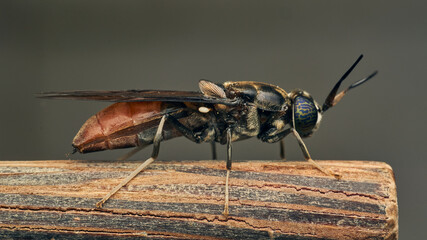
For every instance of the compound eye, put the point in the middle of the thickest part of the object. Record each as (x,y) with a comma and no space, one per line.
(305,115)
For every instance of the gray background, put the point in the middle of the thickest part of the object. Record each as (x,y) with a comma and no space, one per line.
(112,45)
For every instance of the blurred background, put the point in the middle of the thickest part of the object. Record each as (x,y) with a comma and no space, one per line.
(113,45)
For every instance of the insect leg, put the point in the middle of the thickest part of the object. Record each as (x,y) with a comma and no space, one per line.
(215,128)
(188,133)
(308,157)
(155,153)
(131,153)
(201,136)
(225,213)
(213,147)
(282,149)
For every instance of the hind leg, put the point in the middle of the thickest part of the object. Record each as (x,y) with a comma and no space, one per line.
(155,153)
(131,153)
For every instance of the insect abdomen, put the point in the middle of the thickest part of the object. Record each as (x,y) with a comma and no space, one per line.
(117,126)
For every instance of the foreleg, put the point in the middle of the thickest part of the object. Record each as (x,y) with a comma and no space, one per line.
(308,157)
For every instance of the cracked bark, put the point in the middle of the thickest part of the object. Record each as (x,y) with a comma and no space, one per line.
(268,200)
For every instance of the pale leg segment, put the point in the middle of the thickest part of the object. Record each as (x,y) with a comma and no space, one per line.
(131,153)
(308,157)
(225,212)
(156,147)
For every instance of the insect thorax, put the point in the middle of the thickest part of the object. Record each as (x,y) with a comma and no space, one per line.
(265,96)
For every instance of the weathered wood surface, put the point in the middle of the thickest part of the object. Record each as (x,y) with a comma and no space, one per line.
(184,200)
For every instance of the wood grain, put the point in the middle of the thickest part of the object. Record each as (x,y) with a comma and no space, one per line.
(184,200)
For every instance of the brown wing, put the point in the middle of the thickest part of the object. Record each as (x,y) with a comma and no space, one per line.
(138,96)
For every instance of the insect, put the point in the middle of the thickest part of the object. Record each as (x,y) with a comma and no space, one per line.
(222,113)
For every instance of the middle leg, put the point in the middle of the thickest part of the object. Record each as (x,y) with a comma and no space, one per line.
(282,149)
(225,212)
(213,148)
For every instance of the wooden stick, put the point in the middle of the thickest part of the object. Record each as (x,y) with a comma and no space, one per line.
(184,200)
